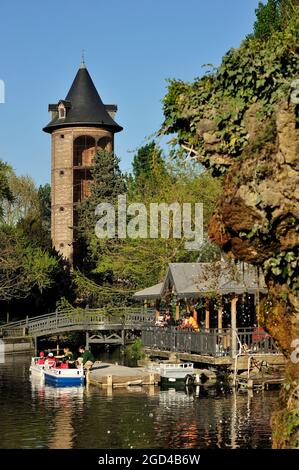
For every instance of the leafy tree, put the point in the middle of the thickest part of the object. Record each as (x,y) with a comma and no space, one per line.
(5,191)
(107,184)
(24,202)
(147,164)
(44,197)
(272,16)
(268,19)
(22,267)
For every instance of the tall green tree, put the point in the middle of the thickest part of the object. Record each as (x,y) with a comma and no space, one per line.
(107,184)
(6,195)
(147,166)
(272,16)
(268,19)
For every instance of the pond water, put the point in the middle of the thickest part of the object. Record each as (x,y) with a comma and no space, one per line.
(34,415)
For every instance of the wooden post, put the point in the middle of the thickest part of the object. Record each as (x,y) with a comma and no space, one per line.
(109,381)
(188,306)
(177,310)
(233,311)
(7,317)
(220,319)
(35,345)
(145,307)
(207,319)
(57,346)
(194,314)
(152,379)
(87,340)
(157,308)
(123,337)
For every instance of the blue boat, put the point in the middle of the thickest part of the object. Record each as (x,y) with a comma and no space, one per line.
(64,377)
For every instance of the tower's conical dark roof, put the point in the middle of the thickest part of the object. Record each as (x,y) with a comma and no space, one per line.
(84,106)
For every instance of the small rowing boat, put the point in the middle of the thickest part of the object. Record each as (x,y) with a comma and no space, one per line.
(56,375)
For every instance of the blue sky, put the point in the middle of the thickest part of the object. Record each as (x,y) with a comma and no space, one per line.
(132,47)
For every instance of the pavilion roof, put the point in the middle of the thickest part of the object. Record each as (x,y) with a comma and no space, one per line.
(199,279)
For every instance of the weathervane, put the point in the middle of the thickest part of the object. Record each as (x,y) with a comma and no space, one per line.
(82,66)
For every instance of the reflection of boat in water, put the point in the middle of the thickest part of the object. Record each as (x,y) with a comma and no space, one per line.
(47,391)
(63,403)
(55,375)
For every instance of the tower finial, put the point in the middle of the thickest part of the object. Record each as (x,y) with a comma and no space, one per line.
(82,65)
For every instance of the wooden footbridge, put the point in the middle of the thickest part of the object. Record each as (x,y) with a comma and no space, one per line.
(99,327)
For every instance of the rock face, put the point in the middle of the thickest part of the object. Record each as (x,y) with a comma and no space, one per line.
(257,221)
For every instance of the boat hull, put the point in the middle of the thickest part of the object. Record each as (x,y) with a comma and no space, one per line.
(64,377)
(64,381)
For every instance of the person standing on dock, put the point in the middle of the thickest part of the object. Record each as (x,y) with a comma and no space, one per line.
(87,358)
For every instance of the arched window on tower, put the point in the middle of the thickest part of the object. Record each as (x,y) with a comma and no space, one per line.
(105,143)
(84,150)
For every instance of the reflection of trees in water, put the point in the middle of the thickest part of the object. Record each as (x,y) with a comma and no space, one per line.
(227,420)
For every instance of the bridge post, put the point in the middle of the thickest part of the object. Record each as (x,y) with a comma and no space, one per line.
(35,345)
(57,345)
(87,340)
(123,337)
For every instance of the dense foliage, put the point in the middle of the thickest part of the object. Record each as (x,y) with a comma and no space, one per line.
(110,270)
(32,275)
(208,115)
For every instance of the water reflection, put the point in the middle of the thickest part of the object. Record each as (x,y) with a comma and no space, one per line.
(35,415)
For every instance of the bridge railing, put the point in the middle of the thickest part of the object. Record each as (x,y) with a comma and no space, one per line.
(87,319)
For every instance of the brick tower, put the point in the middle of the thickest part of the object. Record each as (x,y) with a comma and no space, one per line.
(81,124)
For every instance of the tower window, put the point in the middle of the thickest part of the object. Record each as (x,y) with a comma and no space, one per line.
(61,172)
(61,245)
(62,136)
(61,112)
(61,209)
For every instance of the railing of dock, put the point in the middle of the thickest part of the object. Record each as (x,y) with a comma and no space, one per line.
(256,340)
(87,320)
(212,342)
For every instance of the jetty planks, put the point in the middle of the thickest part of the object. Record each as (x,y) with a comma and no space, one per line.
(115,375)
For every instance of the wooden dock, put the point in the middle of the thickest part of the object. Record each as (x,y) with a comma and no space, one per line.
(259,382)
(228,361)
(114,375)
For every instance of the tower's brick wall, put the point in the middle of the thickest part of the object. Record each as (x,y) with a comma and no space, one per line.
(62,176)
